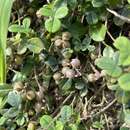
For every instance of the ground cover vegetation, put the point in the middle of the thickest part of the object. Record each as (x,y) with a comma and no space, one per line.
(64,65)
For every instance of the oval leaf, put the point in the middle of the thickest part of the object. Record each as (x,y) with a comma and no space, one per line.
(124,82)
(35,45)
(52,25)
(61,12)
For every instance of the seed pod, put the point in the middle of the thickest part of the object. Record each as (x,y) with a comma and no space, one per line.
(23,95)
(66,36)
(57,76)
(18,86)
(55,38)
(91,78)
(39,96)
(31,112)
(31,126)
(66,44)
(70,73)
(38,107)
(58,43)
(64,70)
(75,63)
(65,62)
(30,95)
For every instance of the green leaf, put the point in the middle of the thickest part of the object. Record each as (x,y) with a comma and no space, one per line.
(67,85)
(52,25)
(18,28)
(124,128)
(59,125)
(123,44)
(91,17)
(2,120)
(46,122)
(4,90)
(26,22)
(73,126)
(108,52)
(46,10)
(97,125)
(79,84)
(109,65)
(14,99)
(128,1)
(35,45)
(65,113)
(98,32)
(61,12)
(127,116)
(97,3)
(124,82)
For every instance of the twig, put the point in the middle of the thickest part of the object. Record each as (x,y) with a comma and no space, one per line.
(66,99)
(118,15)
(103,110)
(112,38)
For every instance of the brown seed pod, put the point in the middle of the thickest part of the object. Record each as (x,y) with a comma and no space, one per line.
(91,77)
(30,95)
(66,44)
(58,43)
(75,63)
(70,73)
(64,69)
(18,86)
(55,38)
(65,62)
(66,36)
(38,107)
(31,126)
(57,76)
(39,95)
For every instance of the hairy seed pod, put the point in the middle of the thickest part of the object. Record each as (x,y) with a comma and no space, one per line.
(70,73)
(65,62)
(66,36)
(66,44)
(91,78)
(18,86)
(57,76)
(75,63)
(30,95)
(58,43)
(64,70)
(31,112)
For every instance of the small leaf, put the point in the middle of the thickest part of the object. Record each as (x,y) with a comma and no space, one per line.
(73,126)
(67,85)
(109,65)
(26,22)
(127,116)
(108,52)
(123,44)
(14,99)
(97,3)
(18,28)
(98,32)
(35,45)
(91,17)
(66,113)
(52,25)
(124,82)
(59,125)
(46,10)
(61,12)
(46,122)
